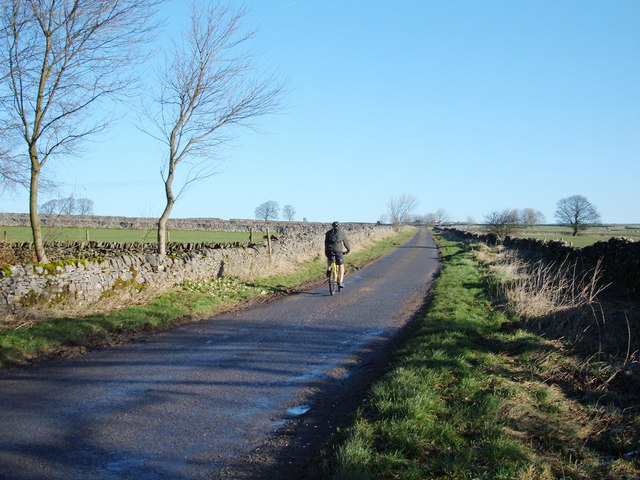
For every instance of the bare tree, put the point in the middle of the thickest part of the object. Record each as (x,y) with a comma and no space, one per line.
(429,219)
(50,207)
(502,223)
(59,60)
(67,206)
(84,206)
(289,212)
(577,212)
(442,216)
(399,208)
(268,211)
(530,217)
(206,87)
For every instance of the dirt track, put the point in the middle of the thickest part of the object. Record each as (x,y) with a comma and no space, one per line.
(246,395)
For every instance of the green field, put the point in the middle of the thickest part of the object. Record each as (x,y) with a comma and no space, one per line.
(122,235)
(557,232)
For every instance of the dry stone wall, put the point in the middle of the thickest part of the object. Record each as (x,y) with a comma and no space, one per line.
(618,258)
(90,273)
(144,223)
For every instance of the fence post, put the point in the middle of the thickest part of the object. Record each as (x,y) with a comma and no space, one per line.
(4,240)
(250,234)
(87,235)
(269,242)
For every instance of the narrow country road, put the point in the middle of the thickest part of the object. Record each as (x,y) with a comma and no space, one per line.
(198,401)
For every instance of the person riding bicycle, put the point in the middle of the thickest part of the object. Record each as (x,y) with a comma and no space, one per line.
(333,241)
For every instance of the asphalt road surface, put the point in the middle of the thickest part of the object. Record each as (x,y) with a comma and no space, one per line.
(197,401)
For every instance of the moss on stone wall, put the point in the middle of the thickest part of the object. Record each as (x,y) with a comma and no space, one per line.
(47,299)
(57,266)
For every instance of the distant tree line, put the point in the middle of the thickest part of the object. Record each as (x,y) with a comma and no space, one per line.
(270,210)
(68,206)
(575,212)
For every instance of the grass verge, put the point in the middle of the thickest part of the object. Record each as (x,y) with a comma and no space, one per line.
(26,341)
(468,396)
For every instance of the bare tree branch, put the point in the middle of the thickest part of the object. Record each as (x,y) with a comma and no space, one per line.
(269,210)
(59,60)
(502,223)
(206,88)
(577,212)
(289,212)
(400,207)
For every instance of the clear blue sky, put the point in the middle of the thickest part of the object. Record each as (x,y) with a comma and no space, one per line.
(470,106)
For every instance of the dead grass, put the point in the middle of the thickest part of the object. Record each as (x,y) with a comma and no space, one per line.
(7,256)
(539,289)
(565,302)
(25,317)
(593,356)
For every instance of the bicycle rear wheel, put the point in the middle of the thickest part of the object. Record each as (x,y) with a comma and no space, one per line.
(333,278)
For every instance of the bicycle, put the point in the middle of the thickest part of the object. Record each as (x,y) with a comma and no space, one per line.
(334,284)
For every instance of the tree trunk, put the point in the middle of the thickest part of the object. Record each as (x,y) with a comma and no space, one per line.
(162,222)
(33,208)
(162,230)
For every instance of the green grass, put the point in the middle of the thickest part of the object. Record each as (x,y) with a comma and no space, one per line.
(459,402)
(25,342)
(123,235)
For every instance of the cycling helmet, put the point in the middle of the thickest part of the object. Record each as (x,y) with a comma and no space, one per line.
(335,224)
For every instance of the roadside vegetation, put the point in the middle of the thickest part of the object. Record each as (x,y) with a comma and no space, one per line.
(26,340)
(484,386)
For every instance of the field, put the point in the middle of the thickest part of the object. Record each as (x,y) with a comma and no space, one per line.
(121,235)
(557,232)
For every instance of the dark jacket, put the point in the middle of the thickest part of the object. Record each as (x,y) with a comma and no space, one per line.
(334,239)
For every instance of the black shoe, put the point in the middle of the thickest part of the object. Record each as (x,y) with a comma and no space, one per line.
(328,273)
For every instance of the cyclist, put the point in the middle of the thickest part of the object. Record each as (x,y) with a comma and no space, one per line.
(333,241)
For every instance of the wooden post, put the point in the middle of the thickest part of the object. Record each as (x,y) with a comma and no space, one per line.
(4,240)
(250,234)
(269,242)
(168,236)
(87,235)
